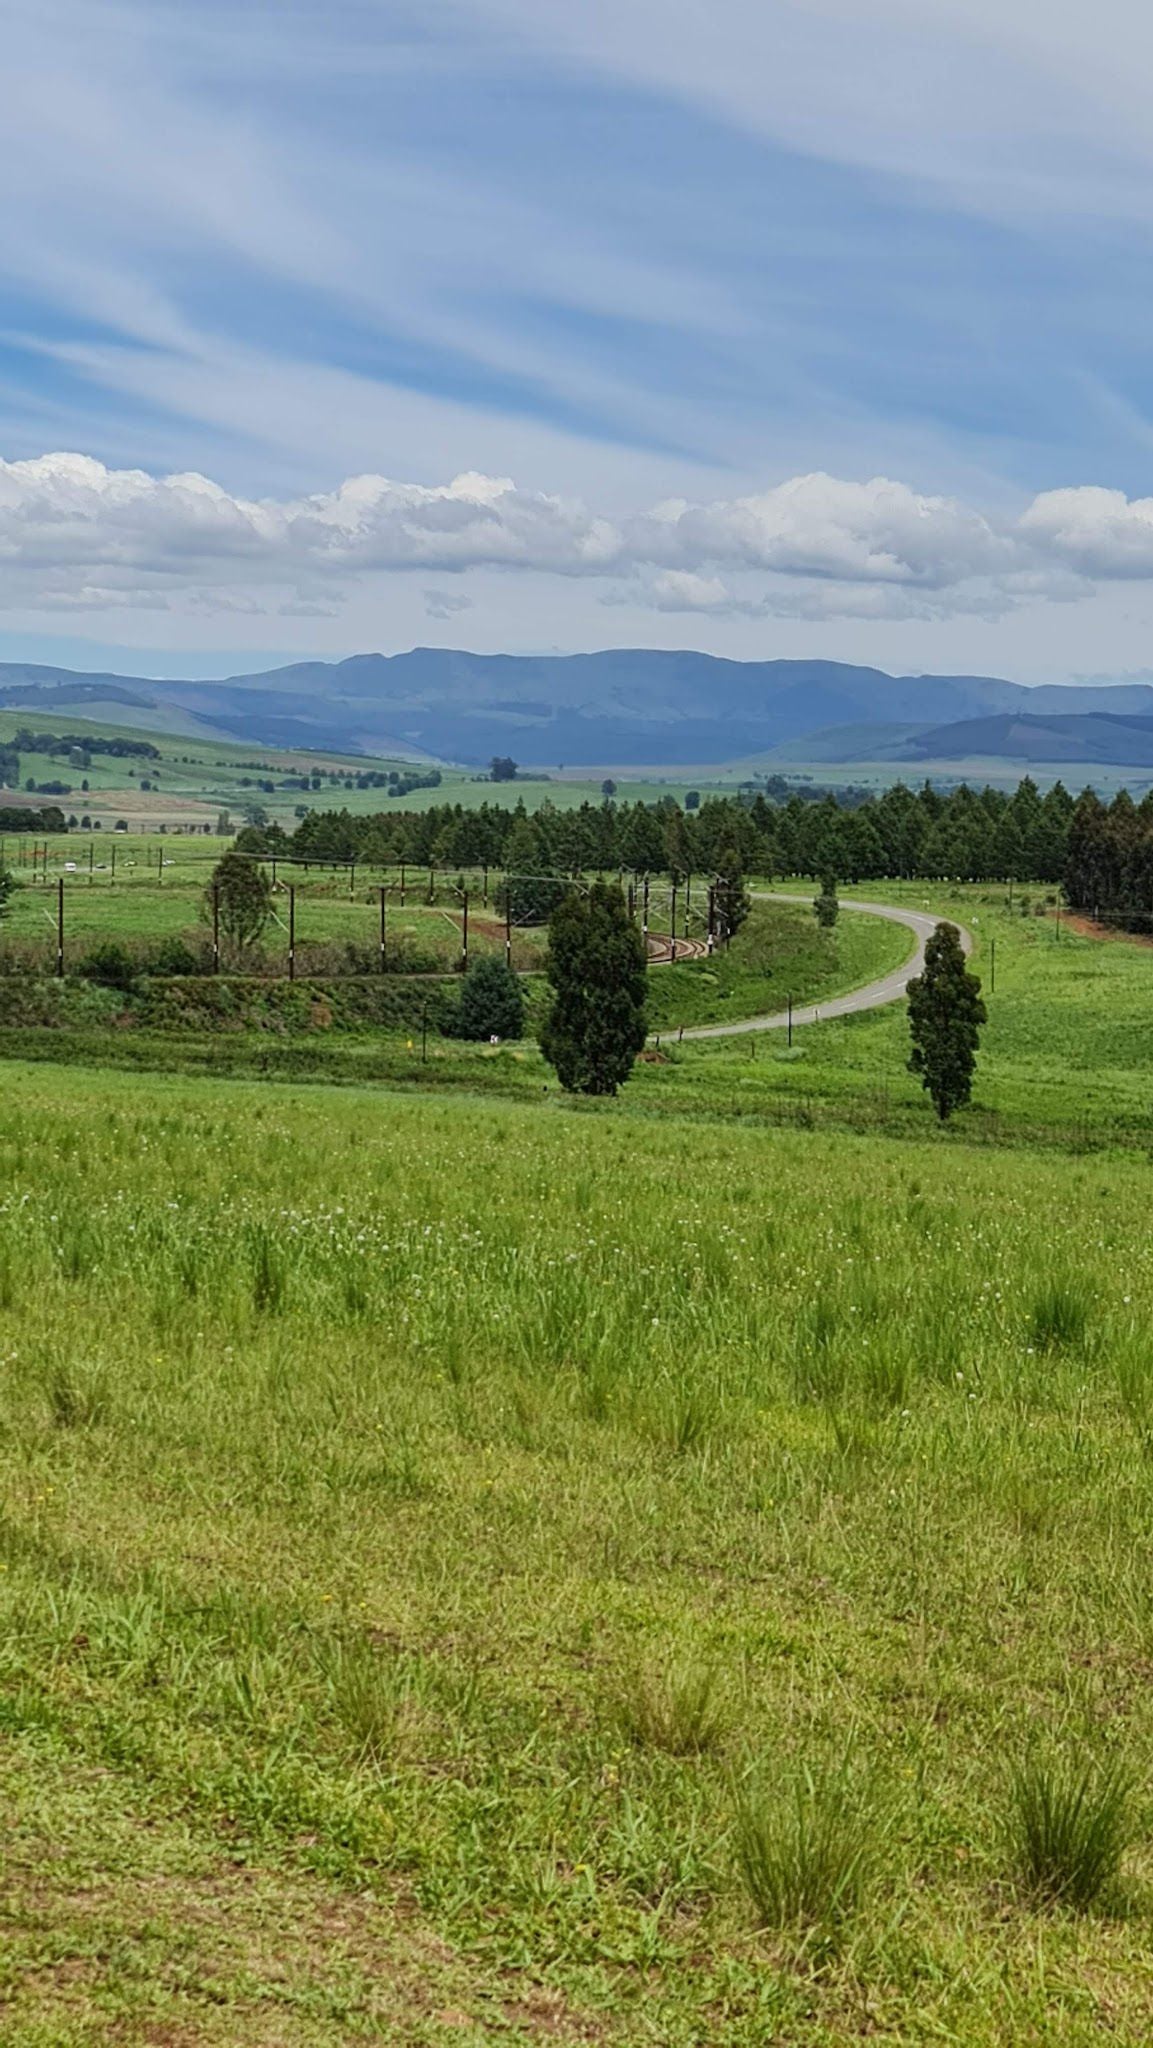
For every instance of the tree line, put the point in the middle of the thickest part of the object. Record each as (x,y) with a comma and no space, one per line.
(1109,867)
(966,835)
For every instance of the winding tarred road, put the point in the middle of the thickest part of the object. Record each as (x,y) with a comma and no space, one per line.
(875,994)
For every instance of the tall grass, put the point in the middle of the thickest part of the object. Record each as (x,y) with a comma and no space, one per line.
(1071,1821)
(807,1852)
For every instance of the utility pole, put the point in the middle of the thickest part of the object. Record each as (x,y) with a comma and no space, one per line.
(790,1020)
(673,923)
(60,928)
(383,933)
(645,912)
(464,938)
(507,922)
(216,927)
(292,931)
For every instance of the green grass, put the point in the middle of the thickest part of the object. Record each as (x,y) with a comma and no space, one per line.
(443,1538)
(779,952)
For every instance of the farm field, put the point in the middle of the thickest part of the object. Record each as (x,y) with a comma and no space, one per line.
(407,1591)
(194,779)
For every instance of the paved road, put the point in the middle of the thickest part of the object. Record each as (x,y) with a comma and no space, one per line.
(889,989)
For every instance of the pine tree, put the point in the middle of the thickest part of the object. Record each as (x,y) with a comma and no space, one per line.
(491,1004)
(596,965)
(243,897)
(730,896)
(945,1016)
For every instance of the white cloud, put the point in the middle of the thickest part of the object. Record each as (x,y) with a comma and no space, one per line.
(1098,533)
(823,526)
(77,536)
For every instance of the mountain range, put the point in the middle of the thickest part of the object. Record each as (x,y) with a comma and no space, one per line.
(623,708)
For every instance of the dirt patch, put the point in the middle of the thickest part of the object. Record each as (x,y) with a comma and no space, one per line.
(1089,928)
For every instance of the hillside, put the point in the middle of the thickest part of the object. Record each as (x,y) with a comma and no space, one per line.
(619,708)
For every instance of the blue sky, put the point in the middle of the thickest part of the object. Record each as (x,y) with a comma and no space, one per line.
(773,329)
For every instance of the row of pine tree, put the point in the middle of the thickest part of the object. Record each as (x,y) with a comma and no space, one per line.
(966,834)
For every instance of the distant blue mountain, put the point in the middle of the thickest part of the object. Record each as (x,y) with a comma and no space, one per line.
(625,708)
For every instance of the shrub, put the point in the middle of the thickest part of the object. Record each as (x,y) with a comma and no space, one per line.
(109,963)
(172,956)
(491,1004)
(1069,1826)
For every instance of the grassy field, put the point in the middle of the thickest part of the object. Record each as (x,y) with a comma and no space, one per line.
(412,1600)
(480,1567)
(195,778)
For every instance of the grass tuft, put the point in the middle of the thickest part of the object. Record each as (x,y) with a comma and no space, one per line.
(1070,1823)
(78,1395)
(675,1709)
(807,1854)
(1060,1317)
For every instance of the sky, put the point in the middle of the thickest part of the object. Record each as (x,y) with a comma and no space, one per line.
(770,327)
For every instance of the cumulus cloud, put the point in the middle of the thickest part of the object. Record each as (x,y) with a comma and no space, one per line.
(77,536)
(823,526)
(1098,533)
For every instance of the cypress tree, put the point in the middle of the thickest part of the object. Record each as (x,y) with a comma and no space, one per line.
(945,1016)
(826,906)
(597,968)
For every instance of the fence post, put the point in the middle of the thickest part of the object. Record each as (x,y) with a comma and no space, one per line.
(60,928)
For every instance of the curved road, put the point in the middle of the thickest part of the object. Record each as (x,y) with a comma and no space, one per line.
(875,994)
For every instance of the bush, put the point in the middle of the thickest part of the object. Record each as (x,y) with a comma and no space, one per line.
(109,963)
(491,1003)
(172,956)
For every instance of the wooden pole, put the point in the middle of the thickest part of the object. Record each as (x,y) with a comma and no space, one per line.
(464,938)
(216,927)
(383,933)
(60,927)
(292,931)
